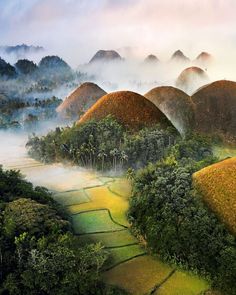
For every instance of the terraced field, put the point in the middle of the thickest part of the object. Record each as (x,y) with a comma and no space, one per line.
(98,206)
(99,215)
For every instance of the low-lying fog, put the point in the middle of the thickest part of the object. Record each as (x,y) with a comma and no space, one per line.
(56,177)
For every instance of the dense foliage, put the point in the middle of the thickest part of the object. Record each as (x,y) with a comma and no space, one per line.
(25,66)
(103,144)
(38,253)
(7,71)
(170,215)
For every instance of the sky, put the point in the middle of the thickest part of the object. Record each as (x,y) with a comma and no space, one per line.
(76,29)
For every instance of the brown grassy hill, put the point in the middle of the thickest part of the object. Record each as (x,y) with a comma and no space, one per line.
(217,184)
(175,104)
(204,57)
(215,109)
(80,100)
(191,78)
(105,55)
(179,56)
(151,58)
(129,108)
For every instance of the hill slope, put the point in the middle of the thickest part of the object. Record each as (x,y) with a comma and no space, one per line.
(179,56)
(80,100)
(129,108)
(191,79)
(217,184)
(215,109)
(175,104)
(105,55)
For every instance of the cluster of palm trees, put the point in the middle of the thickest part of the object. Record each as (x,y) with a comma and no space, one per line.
(88,155)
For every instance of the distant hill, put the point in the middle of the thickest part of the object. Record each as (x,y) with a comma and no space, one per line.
(52,62)
(175,104)
(204,58)
(151,58)
(191,79)
(129,108)
(80,100)
(54,68)
(179,56)
(21,51)
(217,185)
(105,56)
(7,71)
(25,66)
(215,109)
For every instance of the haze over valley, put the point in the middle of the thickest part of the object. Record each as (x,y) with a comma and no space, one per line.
(117,147)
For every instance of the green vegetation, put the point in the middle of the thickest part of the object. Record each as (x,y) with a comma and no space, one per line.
(148,270)
(13,109)
(94,221)
(170,215)
(103,145)
(38,253)
(166,212)
(181,283)
(121,254)
(71,198)
(109,239)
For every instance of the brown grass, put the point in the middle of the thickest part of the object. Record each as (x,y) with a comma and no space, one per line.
(129,108)
(215,109)
(81,99)
(175,104)
(217,184)
(190,75)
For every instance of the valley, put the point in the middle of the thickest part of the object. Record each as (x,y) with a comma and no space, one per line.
(97,205)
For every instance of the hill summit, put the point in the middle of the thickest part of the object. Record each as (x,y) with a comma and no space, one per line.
(179,56)
(215,109)
(80,100)
(105,55)
(175,104)
(129,108)
(151,58)
(204,57)
(191,79)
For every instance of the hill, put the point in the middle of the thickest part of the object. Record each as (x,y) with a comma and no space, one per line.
(25,66)
(151,58)
(53,61)
(175,104)
(204,58)
(80,100)
(21,49)
(129,108)
(54,69)
(191,78)
(105,56)
(217,184)
(7,71)
(179,56)
(215,109)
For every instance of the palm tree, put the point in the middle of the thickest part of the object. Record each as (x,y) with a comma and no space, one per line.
(114,153)
(123,157)
(102,155)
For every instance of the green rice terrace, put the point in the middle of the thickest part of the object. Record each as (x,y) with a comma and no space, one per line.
(99,215)
(97,206)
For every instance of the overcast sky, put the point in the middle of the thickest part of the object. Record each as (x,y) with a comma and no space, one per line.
(75,29)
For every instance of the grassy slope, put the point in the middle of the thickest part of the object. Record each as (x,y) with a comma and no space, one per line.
(129,108)
(217,184)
